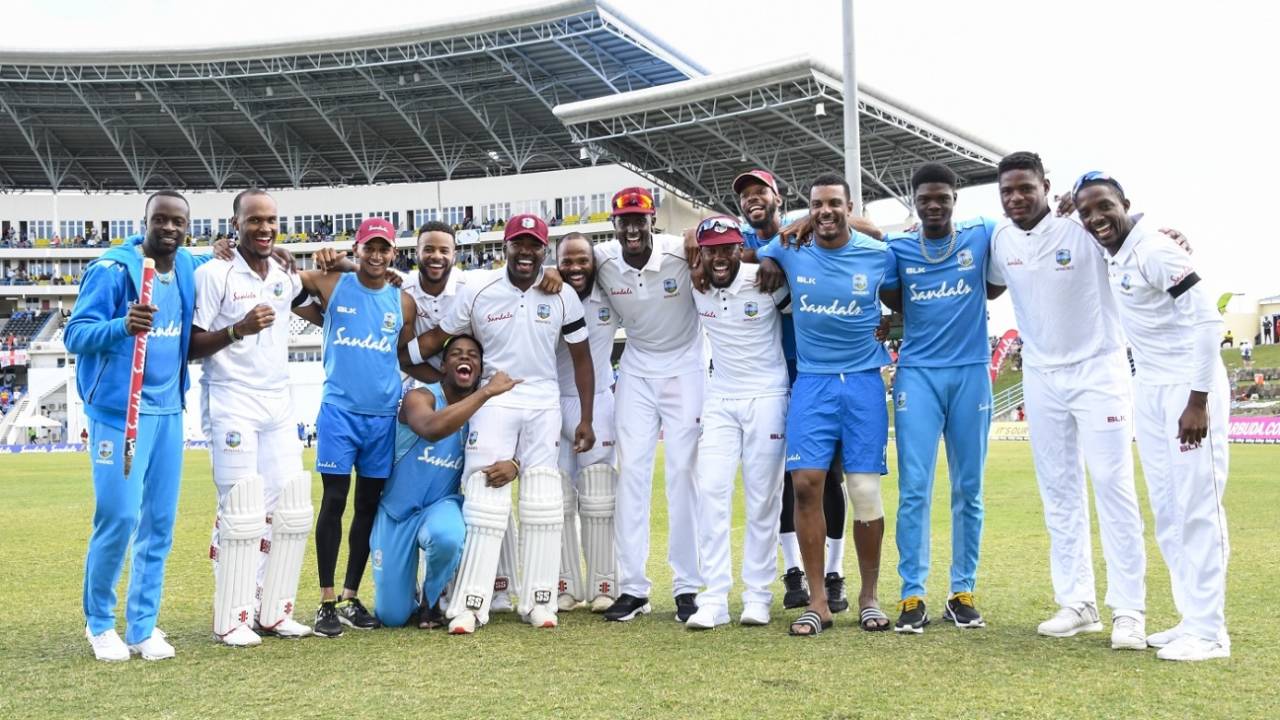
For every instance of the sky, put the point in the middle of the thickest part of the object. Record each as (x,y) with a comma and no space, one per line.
(1175,99)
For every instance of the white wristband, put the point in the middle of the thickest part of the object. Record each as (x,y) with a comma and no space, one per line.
(415,351)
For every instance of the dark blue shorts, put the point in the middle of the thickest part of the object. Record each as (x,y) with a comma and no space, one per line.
(346,439)
(848,409)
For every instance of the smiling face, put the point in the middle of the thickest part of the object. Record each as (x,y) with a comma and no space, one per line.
(1024,195)
(524,257)
(634,231)
(436,251)
(167,221)
(1105,214)
(829,212)
(758,203)
(462,365)
(722,262)
(376,255)
(257,225)
(935,202)
(577,264)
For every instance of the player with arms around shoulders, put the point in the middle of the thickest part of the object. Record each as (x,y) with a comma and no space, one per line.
(1182,402)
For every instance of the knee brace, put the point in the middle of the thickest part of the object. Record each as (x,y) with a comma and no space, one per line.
(864,494)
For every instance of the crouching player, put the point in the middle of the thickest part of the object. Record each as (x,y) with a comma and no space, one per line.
(421,506)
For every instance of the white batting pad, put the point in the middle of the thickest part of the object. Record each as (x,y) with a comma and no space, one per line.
(485,511)
(505,578)
(290,526)
(541,518)
(571,580)
(598,491)
(241,524)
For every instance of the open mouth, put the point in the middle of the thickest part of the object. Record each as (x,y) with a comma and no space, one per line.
(465,372)
(826,224)
(756,208)
(1101,231)
(524,265)
(576,278)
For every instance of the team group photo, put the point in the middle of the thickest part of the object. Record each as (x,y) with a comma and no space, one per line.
(617,378)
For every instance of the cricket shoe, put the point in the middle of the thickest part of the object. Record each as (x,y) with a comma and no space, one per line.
(912,616)
(1164,637)
(627,607)
(1128,632)
(754,613)
(686,606)
(107,645)
(960,610)
(837,601)
(241,636)
(287,628)
(797,589)
(1190,648)
(1071,620)
(601,603)
(541,617)
(566,602)
(156,647)
(464,624)
(352,613)
(708,617)
(327,622)
(501,603)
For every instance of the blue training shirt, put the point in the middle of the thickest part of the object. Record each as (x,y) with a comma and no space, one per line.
(361,327)
(425,472)
(752,241)
(944,303)
(835,302)
(161,392)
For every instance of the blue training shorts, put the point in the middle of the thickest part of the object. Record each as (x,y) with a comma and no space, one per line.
(848,408)
(346,439)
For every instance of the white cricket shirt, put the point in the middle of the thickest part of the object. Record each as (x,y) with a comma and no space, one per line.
(431,309)
(744,326)
(655,305)
(226,290)
(1162,304)
(519,331)
(1058,279)
(602,326)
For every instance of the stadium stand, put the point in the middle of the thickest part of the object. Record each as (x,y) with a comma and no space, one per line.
(21,327)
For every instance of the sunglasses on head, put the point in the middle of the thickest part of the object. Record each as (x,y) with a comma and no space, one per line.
(1096,176)
(718,226)
(633,200)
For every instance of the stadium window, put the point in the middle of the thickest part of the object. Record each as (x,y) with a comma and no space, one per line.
(657,196)
(201,226)
(39,229)
(284,225)
(68,229)
(224,226)
(599,203)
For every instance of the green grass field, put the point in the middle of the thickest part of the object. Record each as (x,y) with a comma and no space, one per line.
(648,668)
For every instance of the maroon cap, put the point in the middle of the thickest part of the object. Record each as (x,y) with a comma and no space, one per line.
(632,200)
(376,228)
(719,230)
(761,176)
(530,225)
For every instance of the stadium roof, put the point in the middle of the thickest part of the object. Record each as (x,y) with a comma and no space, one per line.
(787,116)
(464,98)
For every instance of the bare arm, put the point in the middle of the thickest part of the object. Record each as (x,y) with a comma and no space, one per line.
(418,409)
(429,343)
(584,378)
(994,291)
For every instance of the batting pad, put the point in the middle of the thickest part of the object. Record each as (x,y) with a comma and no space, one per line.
(570,550)
(599,487)
(541,519)
(485,512)
(290,526)
(241,524)
(505,578)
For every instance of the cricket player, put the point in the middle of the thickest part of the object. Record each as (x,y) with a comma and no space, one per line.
(761,206)
(942,389)
(241,329)
(590,479)
(1077,388)
(838,396)
(139,508)
(660,379)
(519,326)
(744,416)
(1182,407)
(366,320)
(421,506)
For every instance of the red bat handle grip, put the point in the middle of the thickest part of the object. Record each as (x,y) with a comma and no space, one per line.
(136,370)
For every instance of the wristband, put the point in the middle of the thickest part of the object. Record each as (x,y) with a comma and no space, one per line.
(231,333)
(517,464)
(415,351)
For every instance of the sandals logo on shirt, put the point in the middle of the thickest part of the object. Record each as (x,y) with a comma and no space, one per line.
(964,258)
(670,286)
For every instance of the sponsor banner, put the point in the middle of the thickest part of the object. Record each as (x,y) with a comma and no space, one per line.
(1002,351)
(1255,429)
(75,447)
(1009,431)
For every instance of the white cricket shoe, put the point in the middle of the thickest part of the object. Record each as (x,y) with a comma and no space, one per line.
(708,617)
(1164,637)
(241,636)
(290,628)
(501,603)
(155,647)
(566,602)
(601,603)
(1128,633)
(1190,648)
(541,617)
(1071,620)
(754,613)
(107,645)
(464,624)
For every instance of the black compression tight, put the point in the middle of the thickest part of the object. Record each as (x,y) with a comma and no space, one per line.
(833,503)
(329,527)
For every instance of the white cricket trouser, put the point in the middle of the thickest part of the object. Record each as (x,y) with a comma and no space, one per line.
(750,430)
(1079,415)
(645,405)
(530,436)
(1185,485)
(251,433)
(602,422)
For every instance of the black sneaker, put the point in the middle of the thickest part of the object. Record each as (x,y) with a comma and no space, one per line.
(797,586)
(836,600)
(352,614)
(686,606)
(627,607)
(960,610)
(327,623)
(913,616)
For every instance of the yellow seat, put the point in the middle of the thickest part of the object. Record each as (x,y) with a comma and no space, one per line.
(42,242)
(117,241)
(571,219)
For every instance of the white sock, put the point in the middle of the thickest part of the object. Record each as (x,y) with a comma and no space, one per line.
(790,550)
(835,556)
